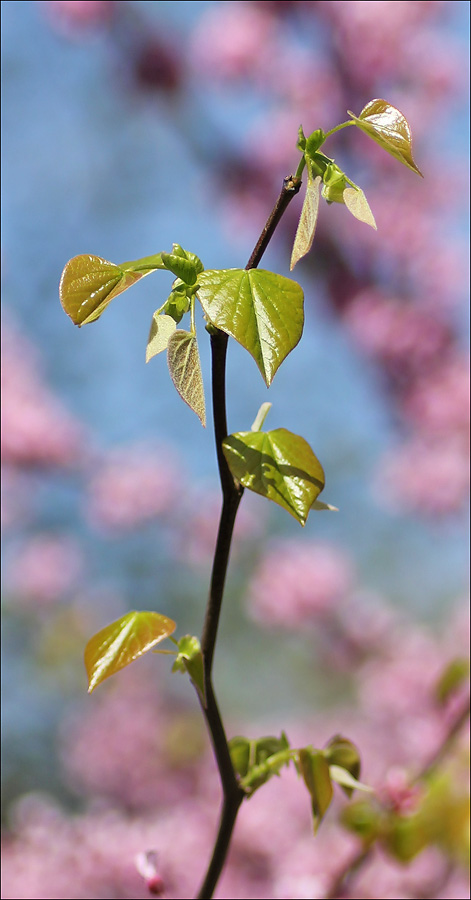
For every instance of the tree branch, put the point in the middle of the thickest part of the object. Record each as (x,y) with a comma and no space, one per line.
(232,492)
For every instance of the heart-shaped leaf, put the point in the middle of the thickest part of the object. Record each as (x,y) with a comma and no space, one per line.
(89,283)
(261,310)
(185,369)
(278,465)
(117,645)
(340,752)
(161,330)
(315,771)
(307,220)
(358,205)
(389,128)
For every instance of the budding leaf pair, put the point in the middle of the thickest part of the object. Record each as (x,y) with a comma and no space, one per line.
(384,124)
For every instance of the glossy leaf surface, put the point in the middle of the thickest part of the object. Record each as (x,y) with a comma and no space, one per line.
(307,220)
(161,330)
(88,283)
(261,310)
(389,128)
(185,370)
(278,465)
(315,771)
(117,645)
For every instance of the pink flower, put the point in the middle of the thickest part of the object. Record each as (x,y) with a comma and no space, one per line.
(133,485)
(44,570)
(296,583)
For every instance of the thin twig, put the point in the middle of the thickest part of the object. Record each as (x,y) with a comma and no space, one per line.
(232,492)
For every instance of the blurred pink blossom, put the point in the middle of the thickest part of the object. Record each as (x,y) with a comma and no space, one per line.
(44,570)
(429,477)
(36,429)
(230,40)
(439,403)
(298,583)
(397,793)
(72,17)
(405,339)
(133,485)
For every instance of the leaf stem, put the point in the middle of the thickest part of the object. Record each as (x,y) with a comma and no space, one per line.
(233,793)
(338,128)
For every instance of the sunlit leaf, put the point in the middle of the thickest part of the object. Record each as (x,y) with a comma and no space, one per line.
(117,645)
(307,220)
(315,771)
(185,370)
(358,205)
(319,505)
(161,330)
(342,777)
(278,465)
(190,659)
(389,128)
(261,310)
(89,283)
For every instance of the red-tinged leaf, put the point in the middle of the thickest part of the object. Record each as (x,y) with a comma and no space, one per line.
(123,641)
(389,128)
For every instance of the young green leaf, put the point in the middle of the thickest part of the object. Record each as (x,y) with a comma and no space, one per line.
(342,752)
(184,366)
(358,205)
(161,330)
(178,301)
(185,254)
(121,642)
(315,771)
(190,659)
(349,784)
(239,748)
(319,505)
(278,465)
(180,266)
(389,128)
(261,310)
(307,220)
(88,283)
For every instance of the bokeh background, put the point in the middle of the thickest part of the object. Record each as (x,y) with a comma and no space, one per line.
(127,126)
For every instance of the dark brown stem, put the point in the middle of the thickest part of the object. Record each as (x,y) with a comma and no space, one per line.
(231,496)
